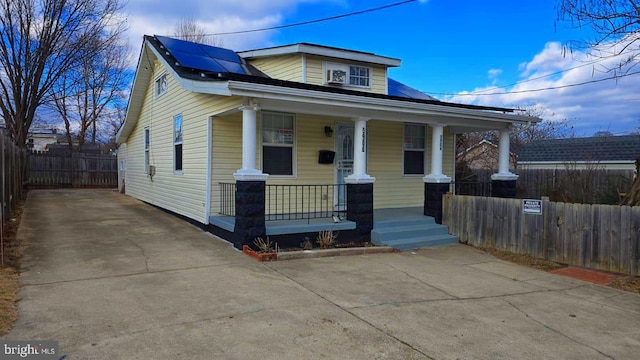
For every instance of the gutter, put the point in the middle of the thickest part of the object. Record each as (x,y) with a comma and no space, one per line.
(240,88)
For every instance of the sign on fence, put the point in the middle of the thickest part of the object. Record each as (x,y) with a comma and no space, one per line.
(532,206)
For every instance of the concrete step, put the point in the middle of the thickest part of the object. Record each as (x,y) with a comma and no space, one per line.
(401,232)
(423,220)
(422,242)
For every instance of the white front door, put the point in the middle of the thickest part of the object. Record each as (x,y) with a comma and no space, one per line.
(344,162)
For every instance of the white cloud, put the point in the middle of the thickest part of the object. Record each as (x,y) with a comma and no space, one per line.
(593,106)
(147,17)
(494,73)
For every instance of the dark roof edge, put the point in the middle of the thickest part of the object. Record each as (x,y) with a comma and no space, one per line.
(336,90)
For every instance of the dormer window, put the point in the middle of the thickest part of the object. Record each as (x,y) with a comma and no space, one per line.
(359,76)
(347,75)
(161,85)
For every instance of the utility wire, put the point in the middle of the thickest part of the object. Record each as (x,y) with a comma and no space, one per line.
(310,21)
(545,76)
(535,78)
(540,89)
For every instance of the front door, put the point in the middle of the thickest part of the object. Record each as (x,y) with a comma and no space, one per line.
(344,162)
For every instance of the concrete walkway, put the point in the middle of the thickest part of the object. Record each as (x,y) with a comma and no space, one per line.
(112,278)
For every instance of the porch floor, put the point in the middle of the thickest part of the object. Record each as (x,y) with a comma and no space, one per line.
(381,218)
(283,227)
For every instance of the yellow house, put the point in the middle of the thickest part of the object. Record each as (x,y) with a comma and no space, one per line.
(292,140)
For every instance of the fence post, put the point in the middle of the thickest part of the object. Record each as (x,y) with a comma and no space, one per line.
(73,165)
(545,229)
(4,181)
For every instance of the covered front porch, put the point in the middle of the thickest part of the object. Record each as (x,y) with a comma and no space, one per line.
(259,203)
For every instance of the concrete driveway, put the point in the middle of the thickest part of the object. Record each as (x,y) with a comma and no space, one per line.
(112,278)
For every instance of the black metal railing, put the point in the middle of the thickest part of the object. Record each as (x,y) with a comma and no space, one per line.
(473,188)
(290,202)
(296,202)
(227,199)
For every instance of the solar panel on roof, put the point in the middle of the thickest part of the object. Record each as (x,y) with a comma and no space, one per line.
(396,88)
(203,57)
(222,54)
(231,67)
(203,63)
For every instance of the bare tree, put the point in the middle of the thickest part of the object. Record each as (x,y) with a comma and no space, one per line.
(189,29)
(90,93)
(616,24)
(40,40)
(520,135)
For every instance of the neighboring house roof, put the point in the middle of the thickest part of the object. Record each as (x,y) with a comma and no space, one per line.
(212,70)
(479,144)
(322,50)
(604,148)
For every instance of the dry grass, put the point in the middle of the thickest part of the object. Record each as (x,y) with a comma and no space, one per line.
(628,283)
(326,239)
(524,259)
(264,246)
(9,277)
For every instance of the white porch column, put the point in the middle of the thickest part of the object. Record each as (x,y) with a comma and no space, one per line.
(249,171)
(360,175)
(436,175)
(503,159)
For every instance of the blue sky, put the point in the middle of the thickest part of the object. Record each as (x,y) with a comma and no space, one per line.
(448,49)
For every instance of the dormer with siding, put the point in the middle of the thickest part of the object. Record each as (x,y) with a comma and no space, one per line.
(323,65)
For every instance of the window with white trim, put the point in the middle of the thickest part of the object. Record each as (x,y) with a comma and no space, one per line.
(147,146)
(278,139)
(161,85)
(177,143)
(359,76)
(413,149)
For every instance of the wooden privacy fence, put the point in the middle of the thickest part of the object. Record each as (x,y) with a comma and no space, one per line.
(603,237)
(595,185)
(74,170)
(12,166)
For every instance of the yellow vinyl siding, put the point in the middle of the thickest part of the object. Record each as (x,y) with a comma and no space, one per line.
(183,193)
(309,139)
(384,161)
(285,67)
(315,74)
(448,150)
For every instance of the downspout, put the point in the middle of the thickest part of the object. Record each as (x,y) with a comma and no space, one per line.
(526,127)
(207,200)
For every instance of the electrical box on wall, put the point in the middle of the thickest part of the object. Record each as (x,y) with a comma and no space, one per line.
(326,156)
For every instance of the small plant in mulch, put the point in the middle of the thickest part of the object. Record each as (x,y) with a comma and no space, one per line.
(306,244)
(264,246)
(326,239)
(265,252)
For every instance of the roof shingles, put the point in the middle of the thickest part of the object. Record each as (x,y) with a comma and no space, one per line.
(606,148)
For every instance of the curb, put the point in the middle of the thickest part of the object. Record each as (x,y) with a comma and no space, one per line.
(309,254)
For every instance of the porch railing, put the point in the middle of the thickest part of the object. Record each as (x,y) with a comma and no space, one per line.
(473,188)
(227,199)
(296,202)
(291,202)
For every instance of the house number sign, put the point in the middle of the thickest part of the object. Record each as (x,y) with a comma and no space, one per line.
(364,138)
